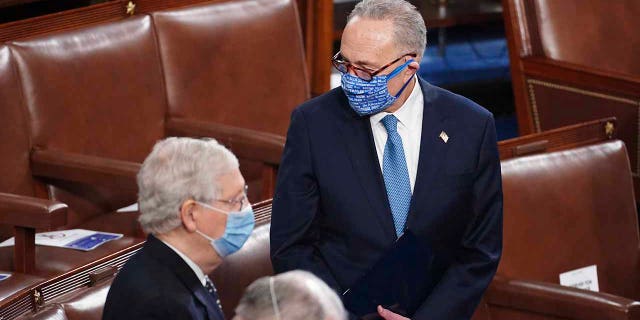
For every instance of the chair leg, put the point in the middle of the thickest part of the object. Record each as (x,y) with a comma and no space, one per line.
(24,254)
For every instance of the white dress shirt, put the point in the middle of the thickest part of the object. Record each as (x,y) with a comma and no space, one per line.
(201,276)
(409,127)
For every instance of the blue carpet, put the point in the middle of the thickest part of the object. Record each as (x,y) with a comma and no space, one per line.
(471,55)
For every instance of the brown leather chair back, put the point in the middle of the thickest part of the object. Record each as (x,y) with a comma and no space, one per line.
(14,145)
(14,137)
(96,91)
(571,209)
(603,34)
(238,63)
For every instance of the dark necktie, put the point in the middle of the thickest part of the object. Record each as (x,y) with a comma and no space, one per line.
(213,292)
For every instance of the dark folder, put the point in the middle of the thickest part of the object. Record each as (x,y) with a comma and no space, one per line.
(400,281)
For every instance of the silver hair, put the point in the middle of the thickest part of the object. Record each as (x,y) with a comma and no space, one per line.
(299,296)
(410,31)
(179,169)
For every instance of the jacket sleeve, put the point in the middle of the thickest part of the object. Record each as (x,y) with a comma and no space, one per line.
(459,291)
(294,231)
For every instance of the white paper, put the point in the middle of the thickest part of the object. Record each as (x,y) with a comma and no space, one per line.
(129,208)
(67,238)
(584,278)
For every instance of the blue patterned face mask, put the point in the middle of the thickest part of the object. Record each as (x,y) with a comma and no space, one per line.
(238,229)
(371,97)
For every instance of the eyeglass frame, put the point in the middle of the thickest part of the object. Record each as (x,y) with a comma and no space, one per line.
(242,201)
(231,202)
(372,73)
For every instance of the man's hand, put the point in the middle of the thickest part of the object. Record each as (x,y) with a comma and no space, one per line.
(388,315)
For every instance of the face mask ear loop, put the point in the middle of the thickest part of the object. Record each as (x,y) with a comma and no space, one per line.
(274,301)
(396,72)
(403,87)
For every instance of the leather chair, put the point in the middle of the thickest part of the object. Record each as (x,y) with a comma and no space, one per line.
(20,212)
(86,141)
(238,68)
(96,106)
(23,208)
(566,210)
(572,62)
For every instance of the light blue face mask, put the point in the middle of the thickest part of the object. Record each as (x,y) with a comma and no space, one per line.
(236,232)
(371,97)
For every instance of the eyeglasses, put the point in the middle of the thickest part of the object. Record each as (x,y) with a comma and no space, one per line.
(236,204)
(365,74)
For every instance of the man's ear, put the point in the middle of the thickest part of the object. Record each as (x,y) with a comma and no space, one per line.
(411,69)
(187,215)
(414,66)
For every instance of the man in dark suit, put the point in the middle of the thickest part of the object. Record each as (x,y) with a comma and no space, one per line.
(384,153)
(194,207)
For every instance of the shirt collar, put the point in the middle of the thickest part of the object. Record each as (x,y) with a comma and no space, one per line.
(201,276)
(406,113)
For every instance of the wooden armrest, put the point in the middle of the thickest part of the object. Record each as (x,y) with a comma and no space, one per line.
(573,74)
(26,214)
(245,143)
(31,212)
(84,169)
(559,301)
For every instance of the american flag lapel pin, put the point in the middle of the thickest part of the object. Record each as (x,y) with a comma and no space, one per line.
(444,136)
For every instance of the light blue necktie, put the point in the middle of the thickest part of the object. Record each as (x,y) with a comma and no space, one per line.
(396,175)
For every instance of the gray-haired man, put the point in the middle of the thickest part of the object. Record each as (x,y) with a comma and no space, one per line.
(385,153)
(193,205)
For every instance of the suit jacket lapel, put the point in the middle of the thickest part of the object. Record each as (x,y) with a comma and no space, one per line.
(432,150)
(168,257)
(358,139)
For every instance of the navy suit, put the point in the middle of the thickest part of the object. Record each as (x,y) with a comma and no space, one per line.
(331,214)
(157,284)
